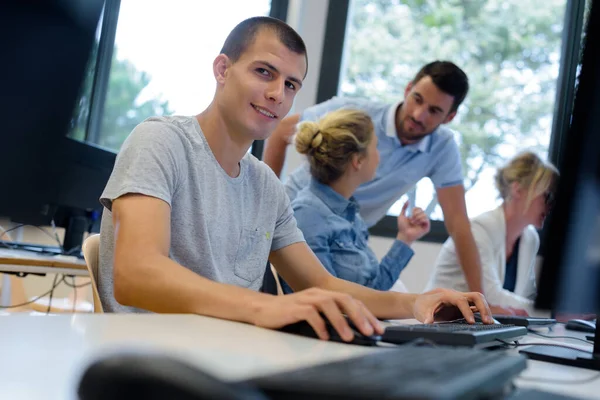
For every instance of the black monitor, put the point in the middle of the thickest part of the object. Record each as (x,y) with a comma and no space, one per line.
(570,279)
(45,47)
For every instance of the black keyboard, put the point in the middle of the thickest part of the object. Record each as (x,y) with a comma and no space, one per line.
(524,321)
(454,334)
(405,372)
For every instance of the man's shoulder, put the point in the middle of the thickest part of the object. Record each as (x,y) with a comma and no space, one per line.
(444,134)
(165,130)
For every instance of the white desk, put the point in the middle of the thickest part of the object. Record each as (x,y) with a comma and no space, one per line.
(43,357)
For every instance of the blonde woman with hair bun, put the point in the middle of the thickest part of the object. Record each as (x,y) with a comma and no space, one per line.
(341,150)
(506,236)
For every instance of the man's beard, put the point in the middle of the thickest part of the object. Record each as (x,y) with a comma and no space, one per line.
(414,137)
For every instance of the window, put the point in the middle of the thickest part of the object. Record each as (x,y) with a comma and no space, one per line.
(510,49)
(160,63)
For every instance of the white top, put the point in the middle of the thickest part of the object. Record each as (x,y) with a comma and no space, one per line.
(44,357)
(489,231)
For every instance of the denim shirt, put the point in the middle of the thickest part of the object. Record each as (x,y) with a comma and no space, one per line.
(336,233)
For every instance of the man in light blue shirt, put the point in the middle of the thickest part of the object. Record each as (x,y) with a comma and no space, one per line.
(413,144)
(435,156)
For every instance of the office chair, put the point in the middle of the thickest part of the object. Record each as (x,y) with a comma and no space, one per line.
(150,377)
(91,247)
(271,282)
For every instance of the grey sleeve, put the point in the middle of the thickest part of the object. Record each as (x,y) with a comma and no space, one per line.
(148,164)
(286,229)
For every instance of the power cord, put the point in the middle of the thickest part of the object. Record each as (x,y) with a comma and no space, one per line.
(74,293)
(558,337)
(561,382)
(53,237)
(75,286)
(54,285)
(517,344)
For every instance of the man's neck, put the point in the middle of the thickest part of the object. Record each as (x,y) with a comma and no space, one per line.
(228,148)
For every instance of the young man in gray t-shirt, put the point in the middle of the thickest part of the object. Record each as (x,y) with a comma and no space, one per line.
(190,218)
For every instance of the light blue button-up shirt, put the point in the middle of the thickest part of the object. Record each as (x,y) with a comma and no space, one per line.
(401,166)
(336,233)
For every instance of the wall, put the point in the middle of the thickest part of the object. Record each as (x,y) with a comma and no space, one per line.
(416,274)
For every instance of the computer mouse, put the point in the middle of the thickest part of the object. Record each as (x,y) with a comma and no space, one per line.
(581,325)
(303,328)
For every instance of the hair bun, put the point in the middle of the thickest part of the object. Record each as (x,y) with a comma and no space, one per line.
(308,138)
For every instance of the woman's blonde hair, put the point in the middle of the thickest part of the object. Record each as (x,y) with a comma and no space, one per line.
(330,143)
(530,172)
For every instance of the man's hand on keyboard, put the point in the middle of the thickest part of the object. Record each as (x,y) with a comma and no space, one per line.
(308,304)
(447,305)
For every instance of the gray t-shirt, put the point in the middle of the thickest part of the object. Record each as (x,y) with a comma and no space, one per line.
(222,228)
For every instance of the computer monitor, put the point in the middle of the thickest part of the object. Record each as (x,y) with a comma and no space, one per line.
(570,278)
(45,46)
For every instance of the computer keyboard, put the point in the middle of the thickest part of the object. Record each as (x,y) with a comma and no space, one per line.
(405,372)
(525,321)
(454,334)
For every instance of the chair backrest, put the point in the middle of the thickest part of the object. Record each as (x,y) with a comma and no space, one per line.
(91,247)
(276,277)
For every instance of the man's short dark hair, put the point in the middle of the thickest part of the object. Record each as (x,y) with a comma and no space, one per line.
(448,78)
(243,35)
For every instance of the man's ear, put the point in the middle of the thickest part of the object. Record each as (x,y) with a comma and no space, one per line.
(449,117)
(220,67)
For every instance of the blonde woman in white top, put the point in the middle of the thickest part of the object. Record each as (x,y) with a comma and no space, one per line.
(506,237)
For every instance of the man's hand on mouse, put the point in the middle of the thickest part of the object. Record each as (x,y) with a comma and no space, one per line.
(278,311)
(447,305)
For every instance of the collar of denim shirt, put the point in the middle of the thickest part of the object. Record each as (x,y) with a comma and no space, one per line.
(346,208)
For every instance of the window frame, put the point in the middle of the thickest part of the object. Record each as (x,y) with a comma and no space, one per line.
(106,44)
(329,79)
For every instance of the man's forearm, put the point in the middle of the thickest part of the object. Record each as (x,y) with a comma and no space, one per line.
(161,285)
(468,256)
(384,305)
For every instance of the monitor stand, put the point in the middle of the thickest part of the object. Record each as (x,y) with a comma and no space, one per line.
(76,228)
(563,356)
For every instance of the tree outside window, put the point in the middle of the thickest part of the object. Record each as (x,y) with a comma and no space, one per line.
(510,49)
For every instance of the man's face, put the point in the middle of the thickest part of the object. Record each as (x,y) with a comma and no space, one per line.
(425,107)
(258,90)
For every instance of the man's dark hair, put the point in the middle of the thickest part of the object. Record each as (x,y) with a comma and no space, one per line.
(243,35)
(448,78)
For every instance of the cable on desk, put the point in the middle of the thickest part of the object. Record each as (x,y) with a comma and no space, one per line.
(517,344)
(559,337)
(73,285)
(54,285)
(53,237)
(561,382)
(34,300)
